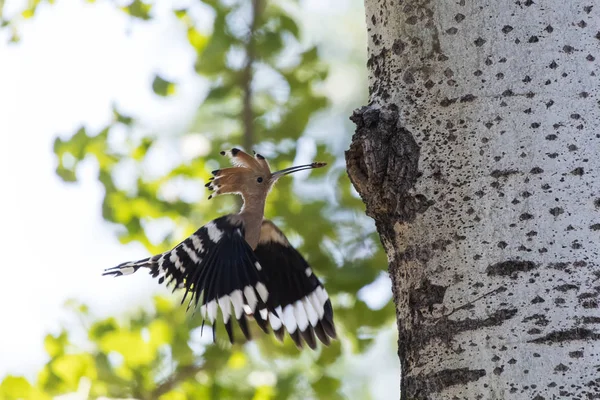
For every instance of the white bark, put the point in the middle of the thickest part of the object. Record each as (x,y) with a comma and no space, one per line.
(479,159)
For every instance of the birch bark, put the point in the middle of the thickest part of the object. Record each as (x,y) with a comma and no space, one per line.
(478,156)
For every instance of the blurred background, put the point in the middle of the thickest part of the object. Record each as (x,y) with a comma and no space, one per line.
(112,115)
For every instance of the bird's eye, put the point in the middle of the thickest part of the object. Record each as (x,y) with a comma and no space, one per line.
(259,179)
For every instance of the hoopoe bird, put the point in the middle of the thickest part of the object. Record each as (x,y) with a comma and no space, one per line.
(244,265)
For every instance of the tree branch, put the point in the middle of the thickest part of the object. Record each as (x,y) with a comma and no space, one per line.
(182,374)
(247,77)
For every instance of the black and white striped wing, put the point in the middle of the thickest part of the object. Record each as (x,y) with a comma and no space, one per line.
(300,301)
(217,267)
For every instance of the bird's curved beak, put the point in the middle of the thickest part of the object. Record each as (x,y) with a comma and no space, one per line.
(279,174)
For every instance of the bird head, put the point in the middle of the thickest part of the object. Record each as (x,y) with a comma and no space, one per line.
(251,177)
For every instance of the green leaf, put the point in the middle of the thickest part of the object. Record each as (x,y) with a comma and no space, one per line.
(130,345)
(72,367)
(327,387)
(138,9)
(122,118)
(55,345)
(162,87)
(196,39)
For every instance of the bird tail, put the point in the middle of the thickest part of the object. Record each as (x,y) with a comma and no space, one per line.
(129,267)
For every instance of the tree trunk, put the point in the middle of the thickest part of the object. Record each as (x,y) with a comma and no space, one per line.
(477,158)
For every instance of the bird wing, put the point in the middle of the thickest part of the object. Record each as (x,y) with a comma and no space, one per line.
(217,267)
(299,300)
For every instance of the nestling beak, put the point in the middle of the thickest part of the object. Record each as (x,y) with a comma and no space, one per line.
(279,174)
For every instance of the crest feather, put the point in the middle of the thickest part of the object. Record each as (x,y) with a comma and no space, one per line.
(239,158)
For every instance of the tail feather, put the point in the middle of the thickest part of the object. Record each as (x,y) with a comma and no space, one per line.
(130,267)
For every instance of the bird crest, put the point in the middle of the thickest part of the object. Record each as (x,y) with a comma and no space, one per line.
(250,176)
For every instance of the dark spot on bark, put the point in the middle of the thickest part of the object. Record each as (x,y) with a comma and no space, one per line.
(538,397)
(479,42)
(539,319)
(412,20)
(553,65)
(589,304)
(498,370)
(537,300)
(561,368)
(575,116)
(506,29)
(447,102)
(582,24)
(556,211)
(503,173)
(536,170)
(427,295)
(560,266)
(577,171)
(429,84)
(595,227)
(452,31)
(507,93)
(534,331)
(597,203)
(502,244)
(510,268)
(535,125)
(398,46)
(459,17)
(576,354)
(590,320)
(597,35)
(467,98)
(549,29)
(572,147)
(525,217)
(567,335)
(526,194)
(588,9)
(545,186)
(551,137)
(590,57)
(587,295)
(533,39)
(438,381)
(568,49)
(565,287)
(408,77)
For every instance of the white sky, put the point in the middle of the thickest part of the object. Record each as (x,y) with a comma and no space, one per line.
(67,70)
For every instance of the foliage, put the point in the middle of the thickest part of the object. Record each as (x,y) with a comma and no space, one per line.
(157,354)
